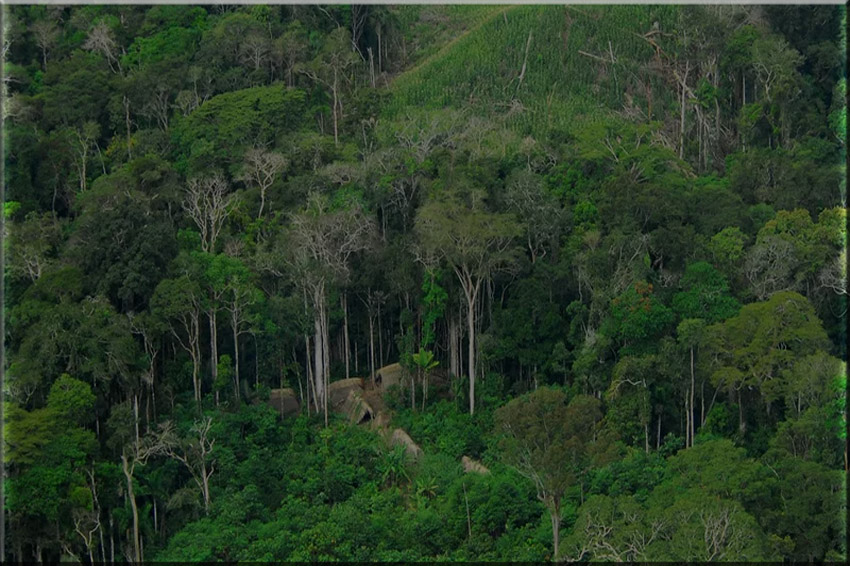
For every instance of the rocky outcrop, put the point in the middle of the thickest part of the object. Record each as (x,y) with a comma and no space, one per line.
(471,466)
(389,375)
(284,401)
(401,438)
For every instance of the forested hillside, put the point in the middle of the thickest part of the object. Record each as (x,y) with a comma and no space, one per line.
(604,245)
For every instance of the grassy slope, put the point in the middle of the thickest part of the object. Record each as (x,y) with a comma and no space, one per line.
(482,66)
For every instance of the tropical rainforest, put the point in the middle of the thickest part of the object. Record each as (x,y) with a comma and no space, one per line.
(600,248)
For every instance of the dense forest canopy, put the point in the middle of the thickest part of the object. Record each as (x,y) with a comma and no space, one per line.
(605,247)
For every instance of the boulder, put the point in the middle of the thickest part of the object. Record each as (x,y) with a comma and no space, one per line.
(471,466)
(389,375)
(338,391)
(356,408)
(285,401)
(401,438)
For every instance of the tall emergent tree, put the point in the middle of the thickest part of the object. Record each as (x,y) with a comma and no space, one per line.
(475,243)
(549,442)
(323,238)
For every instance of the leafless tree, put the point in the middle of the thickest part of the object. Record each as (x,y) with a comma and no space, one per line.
(768,267)
(209,205)
(260,169)
(290,50)
(322,241)
(46,33)
(330,70)
(84,141)
(134,454)
(255,49)
(102,40)
(538,211)
(158,107)
(195,453)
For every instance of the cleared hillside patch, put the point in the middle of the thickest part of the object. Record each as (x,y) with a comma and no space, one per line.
(542,67)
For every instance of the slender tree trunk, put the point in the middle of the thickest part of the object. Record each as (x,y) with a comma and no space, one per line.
(206,487)
(658,433)
(234,324)
(132,497)
(347,346)
(372,348)
(335,116)
(692,431)
(311,380)
(127,127)
(555,515)
(381,361)
(136,416)
(326,357)
(470,321)
(213,345)
(318,371)
(453,365)
(741,424)
(682,112)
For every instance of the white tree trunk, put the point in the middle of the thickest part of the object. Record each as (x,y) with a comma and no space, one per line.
(213,346)
(470,320)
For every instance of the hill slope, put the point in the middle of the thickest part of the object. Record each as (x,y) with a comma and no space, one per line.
(542,65)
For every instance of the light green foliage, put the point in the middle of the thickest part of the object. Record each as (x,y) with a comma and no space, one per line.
(219,131)
(548,99)
(727,247)
(71,399)
(761,345)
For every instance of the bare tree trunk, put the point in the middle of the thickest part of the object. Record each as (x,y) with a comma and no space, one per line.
(136,416)
(347,346)
(380,340)
(234,323)
(372,348)
(213,344)
(326,357)
(691,410)
(335,116)
(127,126)
(318,372)
(742,426)
(206,482)
(380,62)
(371,67)
(555,515)
(132,497)
(684,83)
(454,368)
(658,433)
(470,321)
(311,382)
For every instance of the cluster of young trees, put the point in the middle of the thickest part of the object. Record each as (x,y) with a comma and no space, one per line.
(207,203)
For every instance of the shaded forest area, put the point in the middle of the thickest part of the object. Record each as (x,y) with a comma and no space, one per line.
(607,245)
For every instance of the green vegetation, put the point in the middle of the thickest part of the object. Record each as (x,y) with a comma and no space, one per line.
(425,283)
